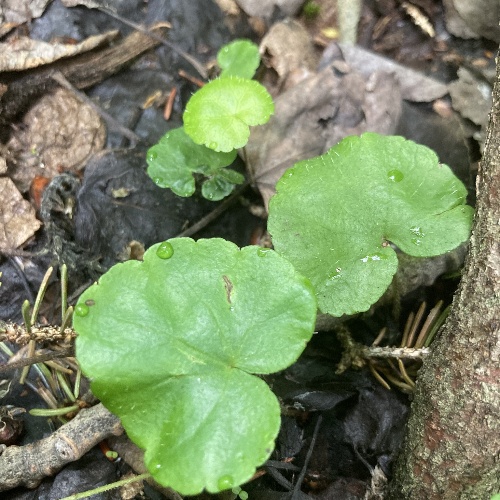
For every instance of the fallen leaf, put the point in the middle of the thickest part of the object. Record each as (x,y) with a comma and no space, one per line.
(415,86)
(17,216)
(471,97)
(24,53)
(16,12)
(60,133)
(265,8)
(468,19)
(286,58)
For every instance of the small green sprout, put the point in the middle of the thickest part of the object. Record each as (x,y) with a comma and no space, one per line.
(216,123)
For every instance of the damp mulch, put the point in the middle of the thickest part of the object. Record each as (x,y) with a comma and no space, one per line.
(78,192)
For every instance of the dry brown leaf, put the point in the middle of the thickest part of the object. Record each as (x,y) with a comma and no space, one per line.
(468,19)
(91,4)
(288,59)
(21,11)
(316,114)
(61,133)
(24,53)
(415,86)
(17,217)
(265,8)
(471,97)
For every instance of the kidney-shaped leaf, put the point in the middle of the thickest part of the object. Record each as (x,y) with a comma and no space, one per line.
(333,216)
(174,159)
(239,58)
(220,113)
(171,345)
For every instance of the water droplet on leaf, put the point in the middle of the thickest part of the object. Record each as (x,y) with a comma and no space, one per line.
(417,231)
(371,257)
(82,310)
(416,241)
(395,175)
(213,145)
(165,250)
(262,252)
(152,156)
(158,181)
(225,482)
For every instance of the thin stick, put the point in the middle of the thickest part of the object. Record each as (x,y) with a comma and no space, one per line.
(108,487)
(197,226)
(189,58)
(35,359)
(189,78)
(431,317)
(64,292)
(416,322)
(302,474)
(167,112)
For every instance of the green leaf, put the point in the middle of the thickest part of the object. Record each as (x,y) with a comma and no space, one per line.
(172,161)
(172,344)
(218,187)
(239,58)
(333,216)
(220,113)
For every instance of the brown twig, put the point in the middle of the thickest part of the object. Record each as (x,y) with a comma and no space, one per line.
(28,465)
(189,78)
(81,71)
(32,360)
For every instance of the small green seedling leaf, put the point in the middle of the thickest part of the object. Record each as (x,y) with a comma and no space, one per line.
(218,186)
(174,159)
(333,216)
(239,58)
(172,345)
(220,113)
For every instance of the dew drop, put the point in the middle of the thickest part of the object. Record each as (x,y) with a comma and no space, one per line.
(416,241)
(262,252)
(158,466)
(82,310)
(370,257)
(417,231)
(152,156)
(225,482)
(165,250)
(158,181)
(395,175)
(213,145)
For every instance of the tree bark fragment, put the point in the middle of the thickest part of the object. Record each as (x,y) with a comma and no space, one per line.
(452,448)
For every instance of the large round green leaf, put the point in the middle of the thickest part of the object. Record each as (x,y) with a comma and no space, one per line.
(333,216)
(171,345)
(220,113)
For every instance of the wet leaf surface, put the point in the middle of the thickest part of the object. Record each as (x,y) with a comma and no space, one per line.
(410,200)
(199,358)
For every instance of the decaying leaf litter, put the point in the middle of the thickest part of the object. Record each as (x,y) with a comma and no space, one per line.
(323,92)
